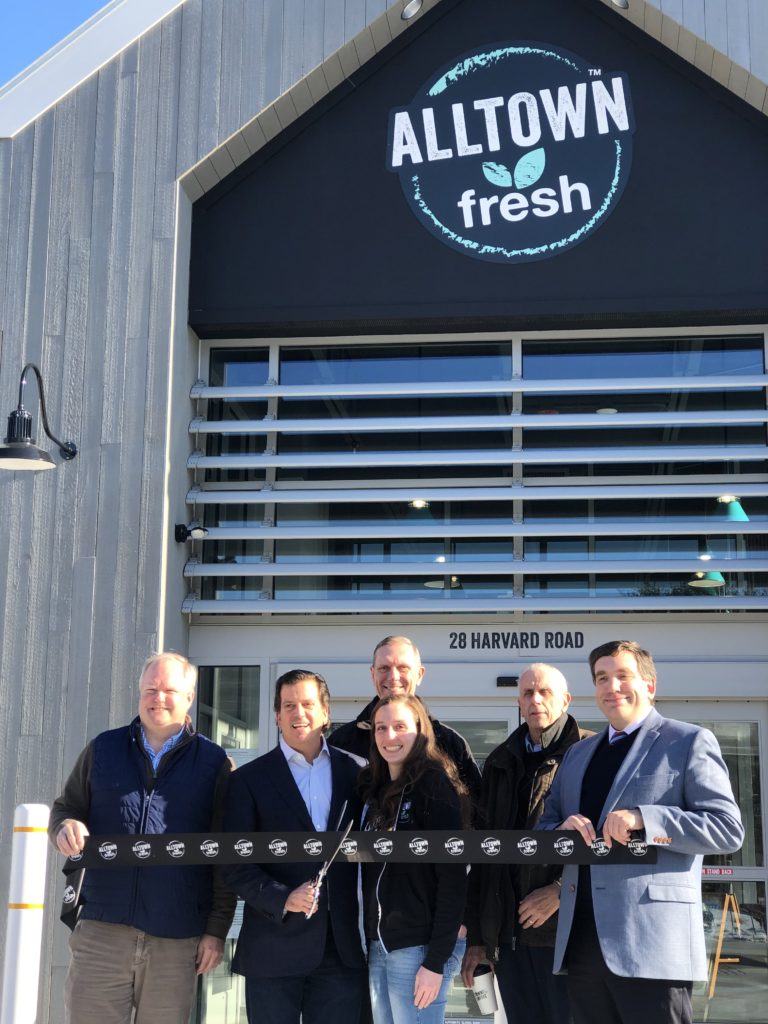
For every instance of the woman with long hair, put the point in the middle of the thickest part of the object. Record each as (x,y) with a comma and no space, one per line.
(412,912)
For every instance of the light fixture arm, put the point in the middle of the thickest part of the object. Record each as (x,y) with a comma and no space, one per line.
(20,421)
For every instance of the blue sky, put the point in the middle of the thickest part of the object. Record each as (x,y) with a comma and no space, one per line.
(28,28)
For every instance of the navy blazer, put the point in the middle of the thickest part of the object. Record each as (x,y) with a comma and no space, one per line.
(263,797)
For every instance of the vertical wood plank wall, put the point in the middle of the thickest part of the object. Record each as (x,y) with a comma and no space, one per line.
(88,218)
(738,28)
(87,244)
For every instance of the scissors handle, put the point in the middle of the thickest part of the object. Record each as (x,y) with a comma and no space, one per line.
(317,884)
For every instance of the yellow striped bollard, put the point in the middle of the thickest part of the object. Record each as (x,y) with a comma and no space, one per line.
(24,934)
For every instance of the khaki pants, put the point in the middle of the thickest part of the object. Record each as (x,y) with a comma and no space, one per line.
(115,968)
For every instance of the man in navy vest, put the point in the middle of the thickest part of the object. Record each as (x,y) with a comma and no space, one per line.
(145,933)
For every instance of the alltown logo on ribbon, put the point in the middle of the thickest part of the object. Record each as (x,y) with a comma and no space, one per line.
(515,153)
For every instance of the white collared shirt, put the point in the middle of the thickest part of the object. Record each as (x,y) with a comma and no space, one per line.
(628,729)
(314,781)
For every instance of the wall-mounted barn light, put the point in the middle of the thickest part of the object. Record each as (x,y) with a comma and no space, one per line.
(19,451)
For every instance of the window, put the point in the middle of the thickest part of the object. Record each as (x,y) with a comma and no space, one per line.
(494,474)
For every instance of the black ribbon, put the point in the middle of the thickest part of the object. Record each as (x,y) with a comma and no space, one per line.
(432,847)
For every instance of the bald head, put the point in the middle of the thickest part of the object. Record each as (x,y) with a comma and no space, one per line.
(542,696)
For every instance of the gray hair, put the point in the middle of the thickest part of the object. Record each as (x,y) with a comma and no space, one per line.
(189,670)
(542,667)
(390,641)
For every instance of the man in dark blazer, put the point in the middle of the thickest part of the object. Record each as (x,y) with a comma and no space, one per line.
(631,936)
(302,958)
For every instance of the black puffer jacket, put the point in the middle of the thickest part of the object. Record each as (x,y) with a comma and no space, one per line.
(355,737)
(496,889)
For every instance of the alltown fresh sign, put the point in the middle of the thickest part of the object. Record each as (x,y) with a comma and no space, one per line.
(515,153)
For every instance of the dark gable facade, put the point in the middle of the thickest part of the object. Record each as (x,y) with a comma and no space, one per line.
(315,234)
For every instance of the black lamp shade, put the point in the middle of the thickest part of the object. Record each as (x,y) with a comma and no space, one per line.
(19,455)
(19,452)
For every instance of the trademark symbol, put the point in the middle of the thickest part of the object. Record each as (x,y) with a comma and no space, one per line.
(595,72)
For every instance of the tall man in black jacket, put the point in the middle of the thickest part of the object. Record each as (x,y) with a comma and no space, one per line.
(512,908)
(396,668)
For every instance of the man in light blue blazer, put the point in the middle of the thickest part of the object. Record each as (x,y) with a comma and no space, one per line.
(631,936)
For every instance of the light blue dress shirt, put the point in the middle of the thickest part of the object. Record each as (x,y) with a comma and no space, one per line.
(169,744)
(314,782)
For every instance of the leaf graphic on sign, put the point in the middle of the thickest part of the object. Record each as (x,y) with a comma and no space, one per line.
(497,174)
(530,168)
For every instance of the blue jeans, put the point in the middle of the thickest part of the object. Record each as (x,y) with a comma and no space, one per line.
(391,977)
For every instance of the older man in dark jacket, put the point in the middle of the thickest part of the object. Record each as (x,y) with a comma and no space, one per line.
(512,908)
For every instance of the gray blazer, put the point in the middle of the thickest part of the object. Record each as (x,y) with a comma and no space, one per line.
(649,916)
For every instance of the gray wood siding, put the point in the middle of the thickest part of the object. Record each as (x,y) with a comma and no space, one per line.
(738,28)
(88,221)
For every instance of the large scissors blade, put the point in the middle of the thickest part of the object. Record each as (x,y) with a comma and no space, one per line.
(324,869)
(326,865)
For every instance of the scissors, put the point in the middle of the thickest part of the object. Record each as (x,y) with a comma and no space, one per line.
(318,882)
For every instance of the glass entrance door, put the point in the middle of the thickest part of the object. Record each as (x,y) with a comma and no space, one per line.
(734,886)
(228,712)
(483,728)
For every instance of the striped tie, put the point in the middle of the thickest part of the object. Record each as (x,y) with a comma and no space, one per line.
(618,736)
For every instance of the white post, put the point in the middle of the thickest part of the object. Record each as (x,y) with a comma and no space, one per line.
(24,934)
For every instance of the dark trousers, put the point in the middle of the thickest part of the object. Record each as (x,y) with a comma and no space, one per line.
(331,993)
(600,997)
(529,990)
